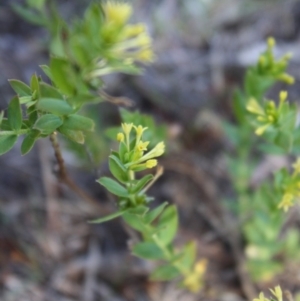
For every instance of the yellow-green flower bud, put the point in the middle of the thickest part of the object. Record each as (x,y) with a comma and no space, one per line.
(283,96)
(271,42)
(120,137)
(254,107)
(116,12)
(277,292)
(151,163)
(127,128)
(286,202)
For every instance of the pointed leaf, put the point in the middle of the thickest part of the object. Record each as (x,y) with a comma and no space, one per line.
(153,214)
(20,88)
(142,183)
(113,186)
(165,272)
(169,221)
(117,169)
(148,250)
(134,221)
(48,91)
(15,114)
(55,106)
(107,217)
(29,141)
(79,123)
(48,123)
(76,136)
(188,255)
(7,142)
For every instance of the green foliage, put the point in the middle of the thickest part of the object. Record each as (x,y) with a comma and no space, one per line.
(258,208)
(157,226)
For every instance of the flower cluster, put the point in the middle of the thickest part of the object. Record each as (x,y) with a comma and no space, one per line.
(290,185)
(130,42)
(277,293)
(135,155)
(194,281)
(267,114)
(267,64)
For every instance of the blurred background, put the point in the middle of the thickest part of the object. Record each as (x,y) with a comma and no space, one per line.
(48,251)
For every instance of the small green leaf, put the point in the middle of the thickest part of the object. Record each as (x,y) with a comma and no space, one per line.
(29,141)
(107,217)
(169,223)
(117,169)
(48,91)
(20,88)
(29,15)
(7,142)
(1,117)
(54,106)
(48,123)
(79,123)
(46,70)
(134,221)
(113,186)
(15,114)
(141,183)
(60,75)
(165,272)
(139,210)
(76,136)
(153,214)
(35,85)
(148,250)
(188,255)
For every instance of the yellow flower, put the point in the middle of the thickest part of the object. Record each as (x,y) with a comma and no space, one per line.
(120,137)
(151,163)
(296,167)
(117,12)
(145,55)
(286,202)
(142,146)
(254,107)
(283,96)
(134,30)
(277,292)
(194,280)
(127,128)
(261,297)
(139,130)
(271,42)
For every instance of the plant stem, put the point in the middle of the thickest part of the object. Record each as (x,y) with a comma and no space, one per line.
(65,178)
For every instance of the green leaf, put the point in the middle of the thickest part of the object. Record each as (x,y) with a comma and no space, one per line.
(153,214)
(60,75)
(37,4)
(113,186)
(29,141)
(134,221)
(7,142)
(107,217)
(117,169)
(284,140)
(48,123)
(29,15)
(188,255)
(20,88)
(46,70)
(54,106)
(15,114)
(35,85)
(169,223)
(79,123)
(148,250)
(48,91)
(141,183)
(139,210)
(165,272)
(1,117)
(76,136)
